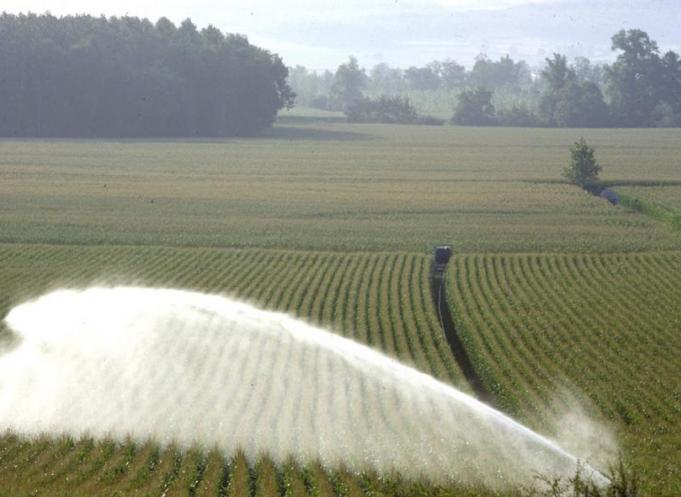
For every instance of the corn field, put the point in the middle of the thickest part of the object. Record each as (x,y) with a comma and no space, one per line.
(379,299)
(607,327)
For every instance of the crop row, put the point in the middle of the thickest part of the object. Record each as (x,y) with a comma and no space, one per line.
(382,300)
(379,299)
(544,329)
(84,467)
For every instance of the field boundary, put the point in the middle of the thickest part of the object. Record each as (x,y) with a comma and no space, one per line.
(659,212)
(654,210)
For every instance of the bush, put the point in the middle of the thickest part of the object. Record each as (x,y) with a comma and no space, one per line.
(583,168)
(518,116)
(390,110)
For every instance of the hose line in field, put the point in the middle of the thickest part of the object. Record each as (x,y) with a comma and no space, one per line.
(452,336)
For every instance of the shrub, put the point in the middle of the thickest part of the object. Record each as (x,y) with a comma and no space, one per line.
(390,110)
(519,116)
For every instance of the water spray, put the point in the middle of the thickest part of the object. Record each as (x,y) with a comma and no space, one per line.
(205,370)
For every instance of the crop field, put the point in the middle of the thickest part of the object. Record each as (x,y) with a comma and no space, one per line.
(379,299)
(606,326)
(334,187)
(553,290)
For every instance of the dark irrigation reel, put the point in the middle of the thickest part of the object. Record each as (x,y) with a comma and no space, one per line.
(441,256)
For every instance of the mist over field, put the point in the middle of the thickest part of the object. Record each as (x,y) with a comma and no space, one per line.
(203,370)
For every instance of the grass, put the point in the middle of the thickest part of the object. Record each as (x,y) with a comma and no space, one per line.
(669,196)
(662,203)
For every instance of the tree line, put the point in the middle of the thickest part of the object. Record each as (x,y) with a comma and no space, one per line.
(84,76)
(327,89)
(641,88)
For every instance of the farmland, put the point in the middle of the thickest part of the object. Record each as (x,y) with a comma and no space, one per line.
(552,288)
(607,327)
(380,299)
(668,196)
(333,187)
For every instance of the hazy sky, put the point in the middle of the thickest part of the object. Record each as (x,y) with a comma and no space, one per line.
(322,33)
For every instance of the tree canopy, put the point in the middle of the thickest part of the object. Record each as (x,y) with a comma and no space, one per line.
(475,108)
(504,73)
(348,83)
(641,88)
(568,102)
(89,76)
(641,82)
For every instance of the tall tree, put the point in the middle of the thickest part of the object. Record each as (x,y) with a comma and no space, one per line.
(566,102)
(668,111)
(633,79)
(384,79)
(423,78)
(453,74)
(558,73)
(504,73)
(585,70)
(348,83)
(580,105)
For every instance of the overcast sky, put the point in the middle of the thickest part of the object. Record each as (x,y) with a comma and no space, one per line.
(323,33)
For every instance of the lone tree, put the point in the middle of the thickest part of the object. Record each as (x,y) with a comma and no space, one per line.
(583,168)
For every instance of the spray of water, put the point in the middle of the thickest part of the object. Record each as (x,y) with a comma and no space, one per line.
(196,369)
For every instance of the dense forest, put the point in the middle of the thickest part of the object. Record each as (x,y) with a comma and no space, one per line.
(89,76)
(640,88)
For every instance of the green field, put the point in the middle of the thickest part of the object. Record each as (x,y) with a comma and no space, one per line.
(381,299)
(334,187)
(661,203)
(552,289)
(607,327)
